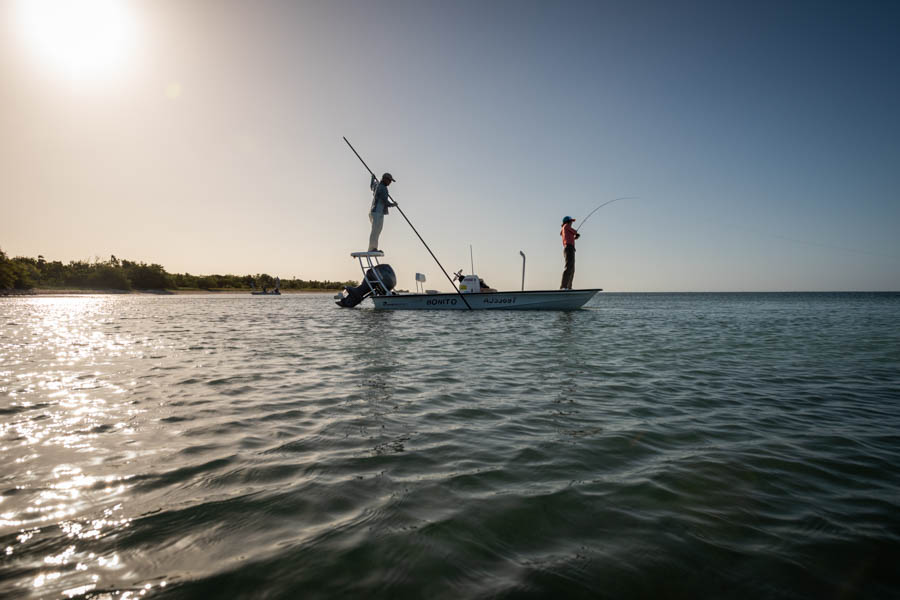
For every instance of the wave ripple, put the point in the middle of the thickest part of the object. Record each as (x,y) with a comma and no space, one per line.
(651,445)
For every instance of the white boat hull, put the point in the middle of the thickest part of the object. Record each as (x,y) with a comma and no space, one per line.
(530,300)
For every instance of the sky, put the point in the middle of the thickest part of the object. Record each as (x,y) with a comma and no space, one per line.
(761,139)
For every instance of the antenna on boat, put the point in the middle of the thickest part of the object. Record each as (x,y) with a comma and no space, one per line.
(466,302)
(471,260)
(523,270)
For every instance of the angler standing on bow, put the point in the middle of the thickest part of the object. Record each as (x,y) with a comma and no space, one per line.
(380,203)
(569,235)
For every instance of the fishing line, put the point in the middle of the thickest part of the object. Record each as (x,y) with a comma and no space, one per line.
(583,221)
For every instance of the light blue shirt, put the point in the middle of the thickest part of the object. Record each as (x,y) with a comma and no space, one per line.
(380,200)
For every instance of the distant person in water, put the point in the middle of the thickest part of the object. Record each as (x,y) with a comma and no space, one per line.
(380,203)
(569,235)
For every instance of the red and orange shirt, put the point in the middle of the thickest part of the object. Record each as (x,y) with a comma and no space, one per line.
(568,235)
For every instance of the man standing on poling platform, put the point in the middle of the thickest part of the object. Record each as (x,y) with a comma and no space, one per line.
(380,203)
(569,235)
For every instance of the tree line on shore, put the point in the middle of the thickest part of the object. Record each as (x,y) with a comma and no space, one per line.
(23,273)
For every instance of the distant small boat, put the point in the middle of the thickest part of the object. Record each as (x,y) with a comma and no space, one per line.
(379,280)
(267,292)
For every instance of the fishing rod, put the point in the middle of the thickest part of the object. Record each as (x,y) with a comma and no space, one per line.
(466,302)
(583,221)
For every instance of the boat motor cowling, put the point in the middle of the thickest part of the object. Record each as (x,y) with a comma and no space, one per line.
(355,295)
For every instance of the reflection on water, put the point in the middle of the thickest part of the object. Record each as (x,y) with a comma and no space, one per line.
(650,445)
(64,408)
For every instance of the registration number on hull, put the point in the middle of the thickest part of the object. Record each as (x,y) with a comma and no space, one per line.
(499,300)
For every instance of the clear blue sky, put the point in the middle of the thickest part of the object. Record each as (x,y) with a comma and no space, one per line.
(762,138)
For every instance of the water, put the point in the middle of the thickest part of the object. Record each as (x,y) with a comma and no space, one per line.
(647,446)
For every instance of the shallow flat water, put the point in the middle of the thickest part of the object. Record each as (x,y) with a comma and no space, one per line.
(647,446)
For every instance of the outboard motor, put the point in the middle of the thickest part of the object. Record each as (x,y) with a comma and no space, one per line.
(355,295)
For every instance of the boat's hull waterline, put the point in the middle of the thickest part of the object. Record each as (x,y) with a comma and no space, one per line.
(530,300)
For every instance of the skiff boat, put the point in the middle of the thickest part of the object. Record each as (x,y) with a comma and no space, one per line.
(379,281)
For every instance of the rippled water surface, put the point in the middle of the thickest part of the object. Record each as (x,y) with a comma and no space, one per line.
(648,446)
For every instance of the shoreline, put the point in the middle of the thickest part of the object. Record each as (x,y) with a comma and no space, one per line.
(190,292)
(177,292)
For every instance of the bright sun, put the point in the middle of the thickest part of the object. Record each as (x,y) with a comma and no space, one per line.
(82,39)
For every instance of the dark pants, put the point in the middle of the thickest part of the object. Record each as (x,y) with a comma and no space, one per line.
(569,273)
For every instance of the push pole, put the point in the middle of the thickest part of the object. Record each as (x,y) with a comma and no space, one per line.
(466,302)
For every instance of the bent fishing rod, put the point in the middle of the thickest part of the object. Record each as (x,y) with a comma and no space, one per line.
(583,221)
(466,302)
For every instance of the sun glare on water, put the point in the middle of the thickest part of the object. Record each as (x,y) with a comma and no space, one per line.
(83,39)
